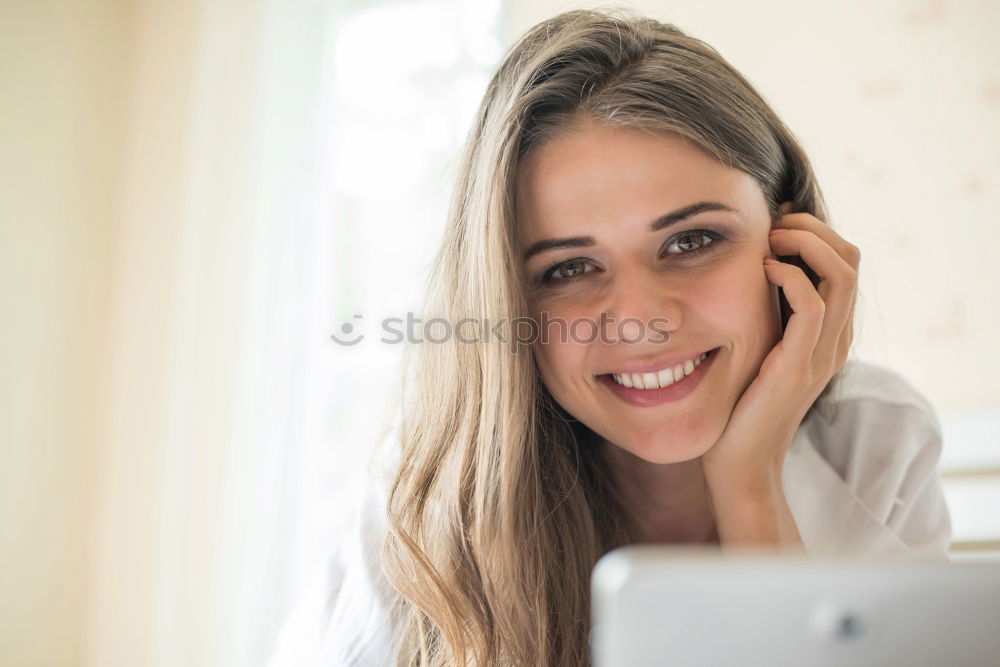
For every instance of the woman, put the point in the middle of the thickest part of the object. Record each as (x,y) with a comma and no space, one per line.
(621,173)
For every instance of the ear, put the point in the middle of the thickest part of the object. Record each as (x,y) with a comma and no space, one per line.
(785,208)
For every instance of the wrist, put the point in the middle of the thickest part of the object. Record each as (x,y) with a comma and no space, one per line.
(752,486)
(753,511)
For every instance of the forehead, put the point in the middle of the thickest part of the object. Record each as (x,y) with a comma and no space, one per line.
(593,174)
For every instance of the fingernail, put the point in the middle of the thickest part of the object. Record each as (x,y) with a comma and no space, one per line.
(777,231)
(768,260)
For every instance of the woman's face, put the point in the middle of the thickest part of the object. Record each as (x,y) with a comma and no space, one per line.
(692,284)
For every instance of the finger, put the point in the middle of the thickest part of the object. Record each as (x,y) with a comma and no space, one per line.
(808,310)
(848,251)
(825,262)
(838,282)
(847,335)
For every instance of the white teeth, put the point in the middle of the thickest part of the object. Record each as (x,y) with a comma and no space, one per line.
(663,378)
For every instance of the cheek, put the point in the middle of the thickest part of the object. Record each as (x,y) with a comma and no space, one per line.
(568,306)
(562,338)
(559,359)
(738,296)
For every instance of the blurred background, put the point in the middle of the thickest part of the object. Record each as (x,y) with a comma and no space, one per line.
(195,194)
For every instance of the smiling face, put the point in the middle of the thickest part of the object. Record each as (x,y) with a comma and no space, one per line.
(696,275)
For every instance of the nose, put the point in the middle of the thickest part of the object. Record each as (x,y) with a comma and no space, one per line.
(640,294)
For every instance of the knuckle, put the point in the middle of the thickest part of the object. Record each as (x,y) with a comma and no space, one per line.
(853,254)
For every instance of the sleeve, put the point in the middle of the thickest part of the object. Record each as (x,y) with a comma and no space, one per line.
(302,634)
(919,514)
(868,482)
(343,620)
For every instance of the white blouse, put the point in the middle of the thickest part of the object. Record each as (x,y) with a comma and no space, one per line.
(860,477)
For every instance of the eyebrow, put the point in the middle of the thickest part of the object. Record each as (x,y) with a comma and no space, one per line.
(656,225)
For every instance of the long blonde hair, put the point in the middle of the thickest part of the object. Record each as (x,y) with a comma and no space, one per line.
(501,506)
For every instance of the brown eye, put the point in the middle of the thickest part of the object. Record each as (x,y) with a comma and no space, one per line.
(692,242)
(567,270)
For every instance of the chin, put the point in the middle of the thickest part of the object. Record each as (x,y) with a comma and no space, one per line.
(660,448)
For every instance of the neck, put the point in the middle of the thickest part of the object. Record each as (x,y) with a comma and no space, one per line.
(669,502)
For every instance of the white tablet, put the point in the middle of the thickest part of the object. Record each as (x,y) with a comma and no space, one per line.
(662,605)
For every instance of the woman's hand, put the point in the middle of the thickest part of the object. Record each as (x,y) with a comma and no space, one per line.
(743,469)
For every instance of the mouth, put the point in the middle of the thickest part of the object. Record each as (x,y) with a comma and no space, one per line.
(648,389)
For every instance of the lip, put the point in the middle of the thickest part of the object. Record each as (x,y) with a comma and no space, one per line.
(659,364)
(645,398)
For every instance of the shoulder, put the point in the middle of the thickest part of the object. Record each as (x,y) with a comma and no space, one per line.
(873,414)
(867,382)
(345,618)
(862,469)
